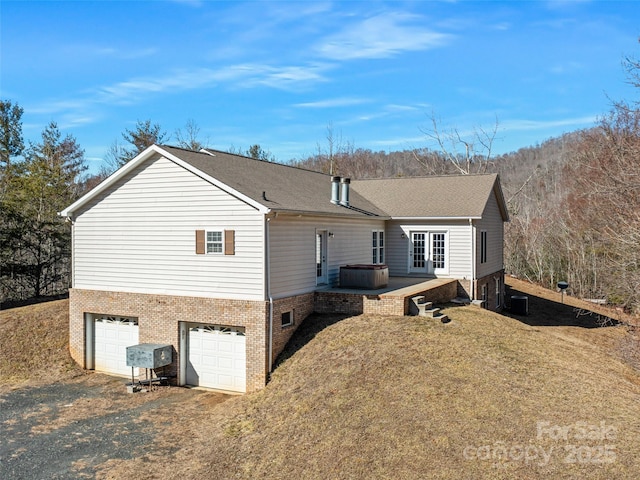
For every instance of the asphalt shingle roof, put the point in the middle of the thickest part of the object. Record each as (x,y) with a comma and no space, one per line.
(293,189)
(452,196)
(286,188)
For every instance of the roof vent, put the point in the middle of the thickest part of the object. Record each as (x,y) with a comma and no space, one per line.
(208,152)
(335,190)
(344,196)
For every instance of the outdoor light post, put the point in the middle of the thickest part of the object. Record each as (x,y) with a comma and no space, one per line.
(563,286)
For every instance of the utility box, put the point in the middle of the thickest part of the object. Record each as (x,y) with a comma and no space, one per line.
(520,304)
(149,355)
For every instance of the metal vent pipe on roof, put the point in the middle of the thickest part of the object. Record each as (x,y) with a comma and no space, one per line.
(344,196)
(335,190)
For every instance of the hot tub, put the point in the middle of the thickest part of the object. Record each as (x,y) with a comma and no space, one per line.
(364,276)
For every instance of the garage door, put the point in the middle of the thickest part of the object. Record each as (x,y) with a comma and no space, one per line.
(112,337)
(217,357)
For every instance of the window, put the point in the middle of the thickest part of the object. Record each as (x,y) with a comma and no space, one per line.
(438,251)
(483,247)
(498,291)
(287,318)
(214,242)
(377,243)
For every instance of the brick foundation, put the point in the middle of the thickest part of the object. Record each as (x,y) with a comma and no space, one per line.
(301,306)
(490,282)
(391,303)
(158,317)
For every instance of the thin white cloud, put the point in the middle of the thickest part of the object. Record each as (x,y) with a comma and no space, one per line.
(387,111)
(130,91)
(524,124)
(333,103)
(52,107)
(70,121)
(404,108)
(79,111)
(91,51)
(235,76)
(569,67)
(381,36)
(190,3)
(287,77)
(403,142)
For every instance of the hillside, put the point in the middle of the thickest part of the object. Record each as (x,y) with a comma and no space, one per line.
(34,344)
(484,396)
(375,397)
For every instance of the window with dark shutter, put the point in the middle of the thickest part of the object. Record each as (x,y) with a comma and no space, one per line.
(483,247)
(229,242)
(200,242)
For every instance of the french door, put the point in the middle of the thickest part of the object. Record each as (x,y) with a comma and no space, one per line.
(419,252)
(427,252)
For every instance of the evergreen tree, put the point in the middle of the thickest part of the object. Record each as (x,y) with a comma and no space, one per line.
(11,143)
(34,241)
(144,135)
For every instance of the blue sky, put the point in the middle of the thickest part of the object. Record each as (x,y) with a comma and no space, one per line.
(280,73)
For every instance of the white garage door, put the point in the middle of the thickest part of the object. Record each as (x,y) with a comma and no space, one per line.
(217,357)
(112,337)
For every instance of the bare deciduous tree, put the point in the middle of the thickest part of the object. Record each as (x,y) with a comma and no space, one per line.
(189,138)
(467,152)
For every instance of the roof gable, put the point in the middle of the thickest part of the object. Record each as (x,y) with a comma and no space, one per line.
(274,187)
(278,187)
(264,185)
(437,197)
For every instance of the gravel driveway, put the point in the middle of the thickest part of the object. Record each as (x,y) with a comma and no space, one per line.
(66,430)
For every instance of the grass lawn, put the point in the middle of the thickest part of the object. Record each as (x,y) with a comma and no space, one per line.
(484,396)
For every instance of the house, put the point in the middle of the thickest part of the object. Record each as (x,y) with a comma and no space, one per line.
(221,256)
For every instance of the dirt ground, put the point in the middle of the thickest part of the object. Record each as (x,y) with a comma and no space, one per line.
(69,429)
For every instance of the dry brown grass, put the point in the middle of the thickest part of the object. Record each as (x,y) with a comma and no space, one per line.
(398,397)
(34,344)
(405,397)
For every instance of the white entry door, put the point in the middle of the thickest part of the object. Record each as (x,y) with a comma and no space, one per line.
(217,357)
(321,257)
(112,336)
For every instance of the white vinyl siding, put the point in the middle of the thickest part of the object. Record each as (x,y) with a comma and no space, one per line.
(293,252)
(458,246)
(492,224)
(139,237)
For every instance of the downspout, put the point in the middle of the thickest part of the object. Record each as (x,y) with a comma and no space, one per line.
(69,219)
(473,260)
(73,250)
(268,284)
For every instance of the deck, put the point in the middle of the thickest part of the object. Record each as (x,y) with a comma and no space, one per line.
(391,300)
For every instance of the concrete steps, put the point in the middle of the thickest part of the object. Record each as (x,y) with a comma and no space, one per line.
(421,308)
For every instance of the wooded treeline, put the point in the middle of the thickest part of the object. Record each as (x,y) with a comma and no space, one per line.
(574,201)
(36,181)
